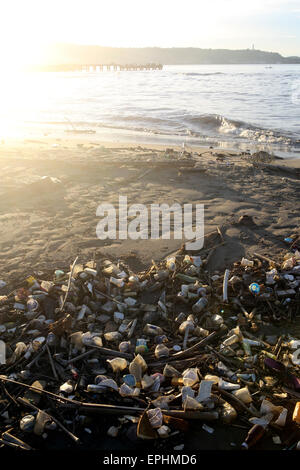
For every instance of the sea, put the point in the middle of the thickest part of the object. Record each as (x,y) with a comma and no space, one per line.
(247,107)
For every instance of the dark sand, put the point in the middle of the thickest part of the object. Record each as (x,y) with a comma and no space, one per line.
(45,225)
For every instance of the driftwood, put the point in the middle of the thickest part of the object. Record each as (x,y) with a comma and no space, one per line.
(193,414)
(188,352)
(111,352)
(264,258)
(37,357)
(100,408)
(81,356)
(232,397)
(113,409)
(177,363)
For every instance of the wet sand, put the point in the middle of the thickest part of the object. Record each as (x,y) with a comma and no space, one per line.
(45,224)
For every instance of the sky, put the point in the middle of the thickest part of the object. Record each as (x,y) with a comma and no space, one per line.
(26,25)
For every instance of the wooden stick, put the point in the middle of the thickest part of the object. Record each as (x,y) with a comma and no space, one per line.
(220,233)
(193,414)
(132,328)
(110,298)
(9,395)
(35,389)
(237,400)
(28,366)
(69,283)
(51,362)
(96,408)
(237,302)
(200,344)
(81,356)
(102,409)
(205,235)
(112,352)
(264,258)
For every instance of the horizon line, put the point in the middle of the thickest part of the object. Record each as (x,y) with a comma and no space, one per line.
(169,47)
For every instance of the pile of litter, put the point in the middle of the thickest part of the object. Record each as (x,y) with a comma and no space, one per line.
(101,350)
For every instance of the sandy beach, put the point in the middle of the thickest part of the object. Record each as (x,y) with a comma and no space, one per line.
(46,223)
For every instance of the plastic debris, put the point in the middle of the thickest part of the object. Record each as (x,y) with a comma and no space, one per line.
(212,347)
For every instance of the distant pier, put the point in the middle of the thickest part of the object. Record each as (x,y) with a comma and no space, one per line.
(95,67)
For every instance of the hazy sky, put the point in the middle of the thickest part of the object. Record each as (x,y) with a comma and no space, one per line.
(272,25)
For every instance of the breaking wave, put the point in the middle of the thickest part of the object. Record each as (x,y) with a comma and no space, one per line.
(205,126)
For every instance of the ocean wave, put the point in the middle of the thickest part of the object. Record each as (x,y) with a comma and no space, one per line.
(220,125)
(204,74)
(186,124)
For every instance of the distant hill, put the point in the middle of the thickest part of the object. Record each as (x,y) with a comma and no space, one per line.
(79,54)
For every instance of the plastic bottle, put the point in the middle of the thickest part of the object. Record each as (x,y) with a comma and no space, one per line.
(181,317)
(231,340)
(254,435)
(200,305)
(185,289)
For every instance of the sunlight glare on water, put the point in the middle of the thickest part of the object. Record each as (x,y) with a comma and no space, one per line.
(250,104)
